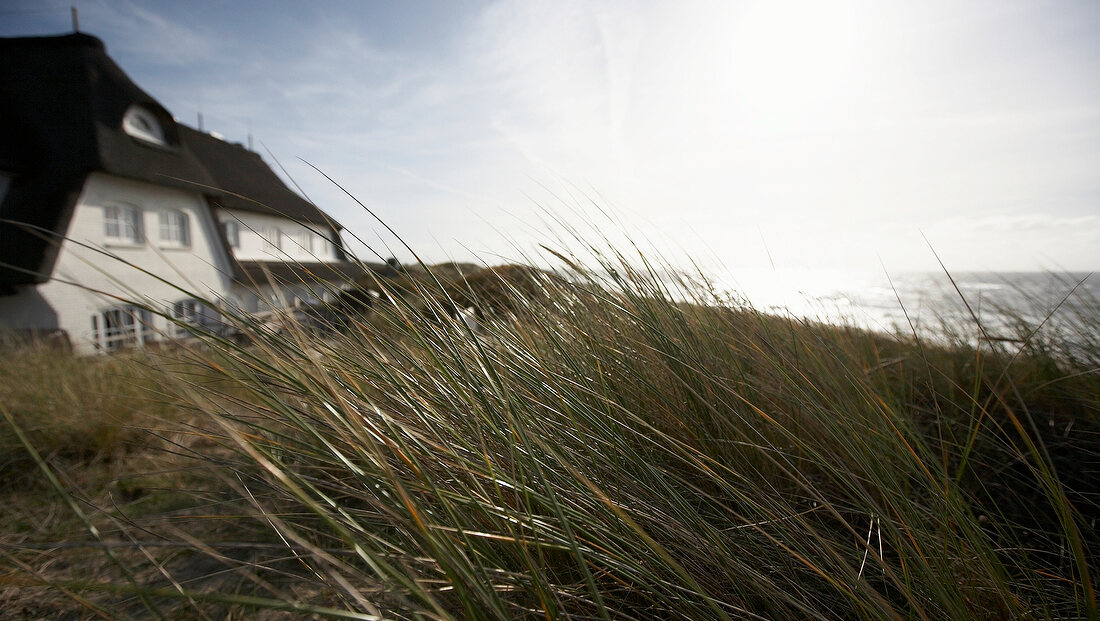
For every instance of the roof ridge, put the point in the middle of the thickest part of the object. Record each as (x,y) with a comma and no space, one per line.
(58,40)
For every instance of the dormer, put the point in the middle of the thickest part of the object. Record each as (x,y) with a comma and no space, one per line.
(143,124)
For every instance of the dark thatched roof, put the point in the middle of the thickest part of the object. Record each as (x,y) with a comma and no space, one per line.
(244,181)
(62,102)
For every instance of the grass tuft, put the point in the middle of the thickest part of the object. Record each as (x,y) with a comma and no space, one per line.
(609,441)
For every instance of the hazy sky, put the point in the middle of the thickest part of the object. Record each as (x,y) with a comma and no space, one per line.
(799,134)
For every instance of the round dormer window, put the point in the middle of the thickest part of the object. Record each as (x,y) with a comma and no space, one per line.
(141,123)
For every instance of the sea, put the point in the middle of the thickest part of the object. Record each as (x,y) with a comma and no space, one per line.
(1006,306)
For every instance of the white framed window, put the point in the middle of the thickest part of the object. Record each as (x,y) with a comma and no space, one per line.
(175,229)
(305,240)
(192,313)
(122,326)
(122,224)
(323,247)
(232,232)
(273,239)
(141,123)
(288,243)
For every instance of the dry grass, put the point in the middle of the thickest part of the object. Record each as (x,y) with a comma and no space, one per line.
(602,449)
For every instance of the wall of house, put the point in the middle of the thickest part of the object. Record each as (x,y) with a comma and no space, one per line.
(262,237)
(200,266)
(264,297)
(270,238)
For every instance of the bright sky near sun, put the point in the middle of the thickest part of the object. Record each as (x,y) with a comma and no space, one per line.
(794,134)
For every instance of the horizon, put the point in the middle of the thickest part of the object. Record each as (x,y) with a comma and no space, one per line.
(784,136)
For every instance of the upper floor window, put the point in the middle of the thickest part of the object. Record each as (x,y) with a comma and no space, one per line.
(175,228)
(141,123)
(232,233)
(273,238)
(122,223)
(323,247)
(122,326)
(305,239)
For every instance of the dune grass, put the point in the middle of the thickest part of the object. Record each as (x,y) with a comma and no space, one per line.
(82,411)
(611,444)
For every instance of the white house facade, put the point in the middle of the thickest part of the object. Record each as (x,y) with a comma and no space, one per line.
(127,240)
(119,226)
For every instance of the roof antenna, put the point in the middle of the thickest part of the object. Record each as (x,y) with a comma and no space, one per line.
(76,18)
(200,121)
(250,134)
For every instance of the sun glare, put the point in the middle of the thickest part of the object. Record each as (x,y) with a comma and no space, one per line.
(781,64)
(789,59)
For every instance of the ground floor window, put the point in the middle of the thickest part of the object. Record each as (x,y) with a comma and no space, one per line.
(191,313)
(122,326)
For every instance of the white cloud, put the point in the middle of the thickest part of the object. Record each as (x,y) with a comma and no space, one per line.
(837,132)
(132,29)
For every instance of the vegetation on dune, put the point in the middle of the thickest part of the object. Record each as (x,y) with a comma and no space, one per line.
(81,411)
(622,446)
(451,285)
